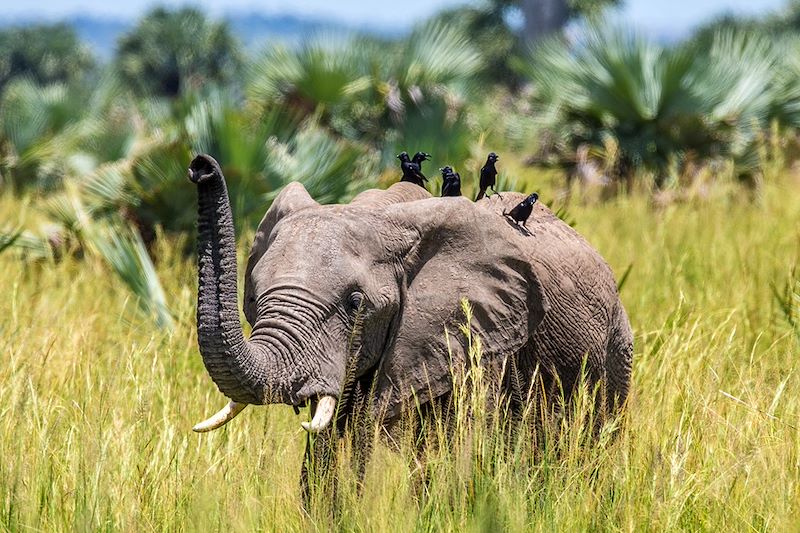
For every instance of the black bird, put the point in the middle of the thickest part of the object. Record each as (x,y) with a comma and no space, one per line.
(419,157)
(412,171)
(488,176)
(523,210)
(451,182)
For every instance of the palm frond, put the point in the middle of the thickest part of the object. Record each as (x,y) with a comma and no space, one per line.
(437,54)
(118,245)
(123,250)
(658,104)
(332,170)
(33,247)
(108,186)
(324,72)
(8,238)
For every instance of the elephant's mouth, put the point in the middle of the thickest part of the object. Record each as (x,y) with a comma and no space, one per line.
(320,394)
(323,409)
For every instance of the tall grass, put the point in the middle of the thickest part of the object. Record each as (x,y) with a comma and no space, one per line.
(96,405)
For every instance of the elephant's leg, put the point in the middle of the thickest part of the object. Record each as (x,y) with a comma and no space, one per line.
(618,361)
(431,427)
(317,476)
(362,442)
(421,436)
(360,430)
(535,399)
(355,423)
(407,435)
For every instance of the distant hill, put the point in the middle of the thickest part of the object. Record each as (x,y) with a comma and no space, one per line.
(254,30)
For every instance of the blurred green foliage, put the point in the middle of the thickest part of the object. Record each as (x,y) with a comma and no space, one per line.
(591,8)
(43,53)
(488,30)
(661,106)
(173,51)
(101,152)
(488,26)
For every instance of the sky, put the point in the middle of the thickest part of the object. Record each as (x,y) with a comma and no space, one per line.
(648,15)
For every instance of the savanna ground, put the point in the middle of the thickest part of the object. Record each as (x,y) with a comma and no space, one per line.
(97,406)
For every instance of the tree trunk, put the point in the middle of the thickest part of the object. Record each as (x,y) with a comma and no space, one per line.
(543,18)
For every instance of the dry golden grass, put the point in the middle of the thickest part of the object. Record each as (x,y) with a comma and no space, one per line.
(97,405)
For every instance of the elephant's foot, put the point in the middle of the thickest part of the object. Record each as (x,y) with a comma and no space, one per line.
(317,475)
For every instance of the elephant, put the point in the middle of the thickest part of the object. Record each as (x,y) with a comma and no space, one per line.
(394,265)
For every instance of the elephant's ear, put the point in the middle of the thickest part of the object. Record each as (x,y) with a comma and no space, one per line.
(292,198)
(461,251)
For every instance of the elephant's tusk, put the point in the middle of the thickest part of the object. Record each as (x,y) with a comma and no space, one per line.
(322,416)
(225,415)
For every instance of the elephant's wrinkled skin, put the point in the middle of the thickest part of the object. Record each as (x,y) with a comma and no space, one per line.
(402,261)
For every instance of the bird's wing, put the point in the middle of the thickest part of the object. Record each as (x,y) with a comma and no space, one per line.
(487,179)
(411,170)
(416,171)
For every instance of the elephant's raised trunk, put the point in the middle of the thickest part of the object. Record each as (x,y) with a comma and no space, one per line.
(244,371)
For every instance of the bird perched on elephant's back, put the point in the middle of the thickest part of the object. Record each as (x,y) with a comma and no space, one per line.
(412,168)
(420,157)
(522,211)
(451,182)
(398,263)
(488,177)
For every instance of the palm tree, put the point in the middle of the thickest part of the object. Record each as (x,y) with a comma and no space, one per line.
(171,51)
(659,105)
(323,75)
(44,54)
(543,18)
(73,144)
(332,169)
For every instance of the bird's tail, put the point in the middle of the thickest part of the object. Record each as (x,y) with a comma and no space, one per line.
(481,194)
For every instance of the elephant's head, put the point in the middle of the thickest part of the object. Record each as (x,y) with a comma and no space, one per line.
(335,292)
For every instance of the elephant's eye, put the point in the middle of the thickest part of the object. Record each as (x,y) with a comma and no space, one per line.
(355,300)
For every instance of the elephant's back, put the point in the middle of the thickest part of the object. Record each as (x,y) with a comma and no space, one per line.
(585,317)
(562,255)
(398,193)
